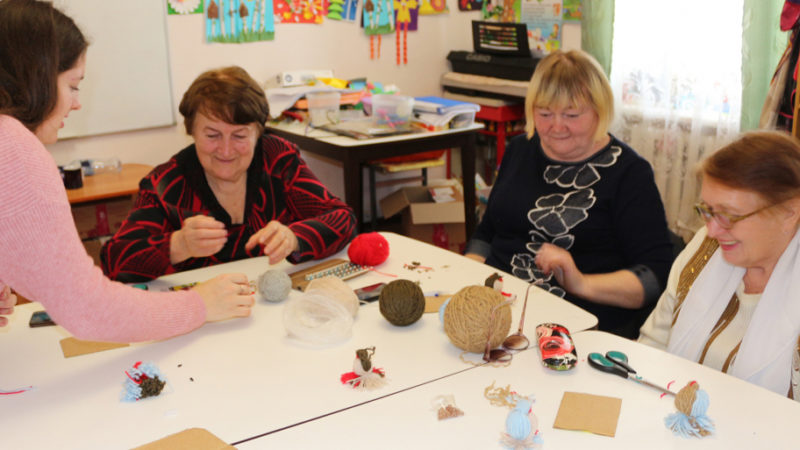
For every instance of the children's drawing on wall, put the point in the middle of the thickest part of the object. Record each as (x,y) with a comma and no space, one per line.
(235,21)
(572,10)
(543,18)
(344,10)
(300,11)
(501,10)
(430,7)
(544,37)
(377,19)
(470,5)
(184,6)
(406,15)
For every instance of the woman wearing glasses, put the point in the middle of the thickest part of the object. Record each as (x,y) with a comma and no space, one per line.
(731,300)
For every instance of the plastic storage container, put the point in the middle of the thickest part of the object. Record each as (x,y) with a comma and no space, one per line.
(95,166)
(392,111)
(323,107)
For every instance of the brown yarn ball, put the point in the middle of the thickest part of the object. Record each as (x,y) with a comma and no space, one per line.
(402,302)
(467,317)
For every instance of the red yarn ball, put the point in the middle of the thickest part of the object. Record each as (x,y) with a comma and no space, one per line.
(368,249)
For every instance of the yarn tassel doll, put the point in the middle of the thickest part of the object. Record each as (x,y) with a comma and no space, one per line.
(144,380)
(691,419)
(364,375)
(522,427)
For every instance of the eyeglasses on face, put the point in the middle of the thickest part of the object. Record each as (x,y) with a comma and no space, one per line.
(724,220)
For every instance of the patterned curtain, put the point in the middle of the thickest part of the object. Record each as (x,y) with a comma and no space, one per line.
(597,30)
(677,77)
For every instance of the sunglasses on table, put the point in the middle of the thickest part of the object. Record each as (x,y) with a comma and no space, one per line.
(513,343)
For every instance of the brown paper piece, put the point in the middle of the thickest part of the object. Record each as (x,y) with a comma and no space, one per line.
(586,412)
(432,304)
(190,439)
(75,347)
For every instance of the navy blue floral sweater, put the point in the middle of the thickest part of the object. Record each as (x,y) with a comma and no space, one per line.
(606,211)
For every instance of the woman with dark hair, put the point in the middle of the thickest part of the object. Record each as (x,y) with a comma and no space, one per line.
(235,193)
(42,61)
(731,298)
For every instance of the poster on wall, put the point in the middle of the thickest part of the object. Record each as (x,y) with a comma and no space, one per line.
(344,10)
(572,11)
(377,18)
(500,10)
(544,21)
(236,21)
(470,5)
(430,7)
(184,7)
(300,11)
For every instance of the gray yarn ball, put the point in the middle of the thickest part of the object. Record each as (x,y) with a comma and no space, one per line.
(274,285)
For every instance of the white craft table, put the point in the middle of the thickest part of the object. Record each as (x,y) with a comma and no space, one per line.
(746,416)
(239,378)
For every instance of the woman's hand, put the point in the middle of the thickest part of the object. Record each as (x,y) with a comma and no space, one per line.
(7,302)
(199,237)
(277,240)
(226,296)
(552,259)
(476,257)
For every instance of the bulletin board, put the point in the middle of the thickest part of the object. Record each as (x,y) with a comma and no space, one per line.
(127,84)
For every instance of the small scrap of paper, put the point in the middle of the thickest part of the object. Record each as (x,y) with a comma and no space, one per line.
(586,412)
(75,347)
(190,438)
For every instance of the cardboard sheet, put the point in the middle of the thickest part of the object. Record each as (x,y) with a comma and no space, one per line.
(586,412)
(432,304)
(190,439)
(75,347)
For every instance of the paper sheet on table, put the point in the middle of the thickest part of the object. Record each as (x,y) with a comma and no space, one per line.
(192,438)
(75,347)
(586,412)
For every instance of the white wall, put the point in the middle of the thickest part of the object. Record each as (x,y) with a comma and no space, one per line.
(340,46)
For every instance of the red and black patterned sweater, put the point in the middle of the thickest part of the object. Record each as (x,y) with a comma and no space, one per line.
(279,187)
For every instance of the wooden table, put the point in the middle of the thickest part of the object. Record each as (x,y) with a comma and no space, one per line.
(241,378)
(355,154)
(110,185)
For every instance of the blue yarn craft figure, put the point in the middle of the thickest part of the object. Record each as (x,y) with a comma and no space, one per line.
(144,380)
(522,426)
(691,419)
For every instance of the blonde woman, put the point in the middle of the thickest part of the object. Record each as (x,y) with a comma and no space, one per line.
(574,207)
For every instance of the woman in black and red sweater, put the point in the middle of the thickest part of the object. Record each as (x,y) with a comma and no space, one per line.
(235,193)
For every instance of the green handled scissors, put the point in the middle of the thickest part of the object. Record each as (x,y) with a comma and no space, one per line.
(616,363)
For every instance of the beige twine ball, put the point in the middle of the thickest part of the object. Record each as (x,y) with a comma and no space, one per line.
(402,302)
(337,289)
(467,316)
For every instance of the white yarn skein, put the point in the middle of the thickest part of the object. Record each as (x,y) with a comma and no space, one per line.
(317,319)
(337,289)
(274,285)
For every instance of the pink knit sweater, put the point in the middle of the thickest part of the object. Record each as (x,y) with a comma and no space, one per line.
(42,258)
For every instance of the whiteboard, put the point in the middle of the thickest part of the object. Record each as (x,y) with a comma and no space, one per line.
(127,84)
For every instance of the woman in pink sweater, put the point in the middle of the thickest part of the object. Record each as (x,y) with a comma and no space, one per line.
(42,61)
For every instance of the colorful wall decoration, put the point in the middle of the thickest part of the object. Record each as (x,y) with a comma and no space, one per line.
(184,6)
(235,21)
(300,11)
(345,10)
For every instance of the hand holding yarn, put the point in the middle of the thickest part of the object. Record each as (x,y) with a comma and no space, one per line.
(276,239)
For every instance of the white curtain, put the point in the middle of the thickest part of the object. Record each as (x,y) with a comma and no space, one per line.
(676,73)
